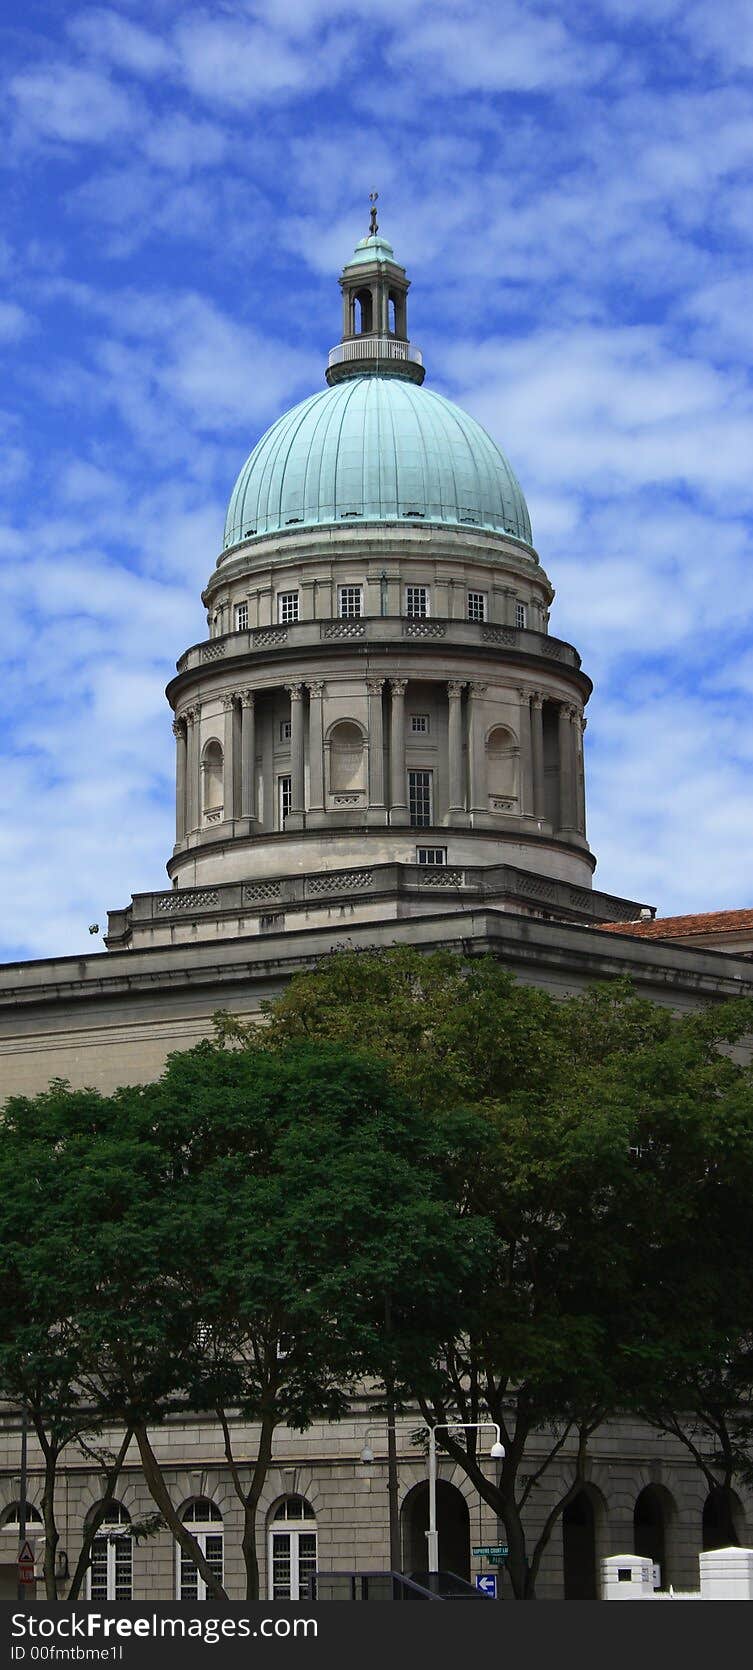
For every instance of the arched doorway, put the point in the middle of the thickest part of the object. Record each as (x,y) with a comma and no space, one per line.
(651,1517)
(579,1548)
(721,1519)
(453,1525)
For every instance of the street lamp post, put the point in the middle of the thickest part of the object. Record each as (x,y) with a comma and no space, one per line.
(497,1452)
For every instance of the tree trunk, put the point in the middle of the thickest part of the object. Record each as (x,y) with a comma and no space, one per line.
(160,1495)
(96,1517)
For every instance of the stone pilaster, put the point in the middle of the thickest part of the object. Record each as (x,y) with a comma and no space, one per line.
(228,759)
(398,783)
(248,755)
(565,761)
(580,731)
(477,752)
(179,732)
(374,687)
(537,754)
(455,749)
(193,765)
(295,816)
(316,748)
(526,753)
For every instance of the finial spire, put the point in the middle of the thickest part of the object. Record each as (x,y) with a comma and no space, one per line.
(373,226)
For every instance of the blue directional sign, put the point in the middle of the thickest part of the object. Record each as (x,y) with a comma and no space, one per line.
(486,1583)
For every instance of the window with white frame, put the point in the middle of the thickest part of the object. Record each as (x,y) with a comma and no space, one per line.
(521,615)
(350,600)
(110,1575)
(419,798)
(431,855)
(292,1549)
(419,724)
(11,1518)
(241,617)
(477,605)
(286,730)
(284,798)
(287,607)
(204,1521)
(417,602)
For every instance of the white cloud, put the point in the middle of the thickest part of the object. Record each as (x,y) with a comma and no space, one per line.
(106,34)
(77,106)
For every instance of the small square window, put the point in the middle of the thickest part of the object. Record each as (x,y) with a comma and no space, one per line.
(286,730)
(477,605)
(287,607)
(351,602)
(431,855)
(419,724)
(417,602)
(521,615)
(241,617)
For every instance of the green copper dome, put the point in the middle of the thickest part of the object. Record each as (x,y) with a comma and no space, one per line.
(375,449)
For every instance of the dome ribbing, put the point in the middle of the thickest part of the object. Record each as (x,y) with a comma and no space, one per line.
(375,449)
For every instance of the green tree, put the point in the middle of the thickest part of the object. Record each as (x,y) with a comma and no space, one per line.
(597,1132)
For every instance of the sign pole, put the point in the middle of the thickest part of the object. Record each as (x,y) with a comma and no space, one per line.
(24,1487)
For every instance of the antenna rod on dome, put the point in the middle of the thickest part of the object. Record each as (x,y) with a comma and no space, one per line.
(373,227)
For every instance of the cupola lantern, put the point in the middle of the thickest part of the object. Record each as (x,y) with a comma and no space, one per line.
(375,316)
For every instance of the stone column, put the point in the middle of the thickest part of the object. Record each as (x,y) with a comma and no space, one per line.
(316,749)
(476,751)
(193,794)
(248,755)
(228,762)
(581,722)
(398,784)
(179,732)
(565,761)
(526,754)
(374,687)
(537,753)
(455,747)
(295,692)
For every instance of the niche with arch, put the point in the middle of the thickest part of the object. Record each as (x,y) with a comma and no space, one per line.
(453,1525)
(579,1533)
(722,1519)
(653,1516)
(502,767)
(211,781)
(363,313)
(347,763)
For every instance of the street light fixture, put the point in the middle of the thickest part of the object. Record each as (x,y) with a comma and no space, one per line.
(497,1452)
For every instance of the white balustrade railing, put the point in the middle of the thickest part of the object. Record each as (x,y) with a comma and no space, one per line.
(374,347)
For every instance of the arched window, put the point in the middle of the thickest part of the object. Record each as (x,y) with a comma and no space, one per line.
(292,1548)
(391,314)
(10,1519)
(721,1519)
(363,313)
(204,1520)
(346,758)
(211,773)
(110,1575)
(502,769)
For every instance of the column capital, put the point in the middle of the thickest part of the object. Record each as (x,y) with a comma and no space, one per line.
(295,691)
(583,722)
(374,686)
(477,689)
(571,711)
(179,726)
(192,714)
(398,686)
(537,698)
(247,698)
(228,702)
(316,689)
(456,687)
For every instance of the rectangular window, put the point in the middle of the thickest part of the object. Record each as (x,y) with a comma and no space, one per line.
(419,798)
(351,602)
(287,607)
(419,724)
(285,797)
(241,617)
(431,855)
(521,615)
(286,730)
(477,605)
(417,602)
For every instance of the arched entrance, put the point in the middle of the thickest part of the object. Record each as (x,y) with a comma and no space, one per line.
(651,1517)
(453,1525)
(579,1548)
(721,1519)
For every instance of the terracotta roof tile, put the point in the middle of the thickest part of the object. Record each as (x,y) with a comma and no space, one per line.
(677,927)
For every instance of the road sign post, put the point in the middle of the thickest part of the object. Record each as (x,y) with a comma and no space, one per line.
(486,1583)
(25,1564)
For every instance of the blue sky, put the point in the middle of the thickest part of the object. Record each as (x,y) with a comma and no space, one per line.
(569,189)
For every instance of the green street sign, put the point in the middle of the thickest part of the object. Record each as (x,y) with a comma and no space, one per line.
(494,1550)
(497,1559)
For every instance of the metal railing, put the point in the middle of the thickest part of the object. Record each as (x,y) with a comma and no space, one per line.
(374,347)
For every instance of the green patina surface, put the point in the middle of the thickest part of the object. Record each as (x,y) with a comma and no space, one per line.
(375,449)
